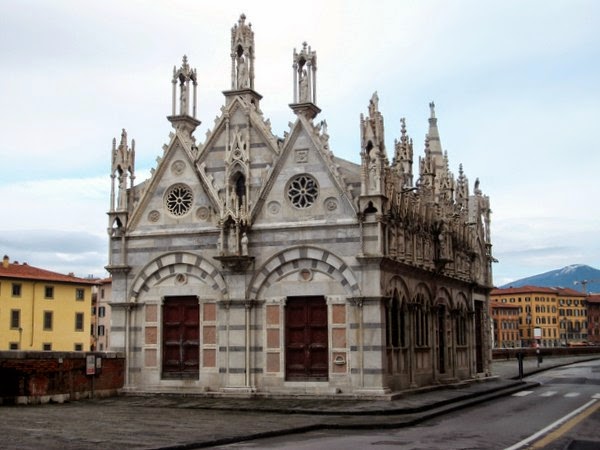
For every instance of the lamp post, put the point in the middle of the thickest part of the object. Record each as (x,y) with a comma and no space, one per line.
(529,331)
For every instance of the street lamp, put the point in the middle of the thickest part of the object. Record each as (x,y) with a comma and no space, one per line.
(529,328)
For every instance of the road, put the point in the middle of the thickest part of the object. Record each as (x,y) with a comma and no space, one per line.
(562,413)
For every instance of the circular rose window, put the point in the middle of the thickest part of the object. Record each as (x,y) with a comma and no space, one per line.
(303,191)
(179,199)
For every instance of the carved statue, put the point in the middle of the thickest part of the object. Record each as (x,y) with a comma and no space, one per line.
(303,87)
(242,73)
(244,244)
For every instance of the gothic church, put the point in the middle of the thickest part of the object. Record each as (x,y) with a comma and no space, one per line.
(257,264)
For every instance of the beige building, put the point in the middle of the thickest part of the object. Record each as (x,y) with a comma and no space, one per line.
(557,314)
(43,310)
(252,262)
(101,315)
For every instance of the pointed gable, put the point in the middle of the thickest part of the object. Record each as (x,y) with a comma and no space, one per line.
(306,183)
(175,196)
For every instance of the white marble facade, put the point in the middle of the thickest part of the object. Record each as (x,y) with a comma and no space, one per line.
(257,263)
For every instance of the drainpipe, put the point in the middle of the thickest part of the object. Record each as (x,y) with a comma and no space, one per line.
(248,307)
(32,315)
(127,338)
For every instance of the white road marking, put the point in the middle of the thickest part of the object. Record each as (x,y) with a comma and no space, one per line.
(572,394)
(597,396)
(553,425)
(522,393)
(548,393)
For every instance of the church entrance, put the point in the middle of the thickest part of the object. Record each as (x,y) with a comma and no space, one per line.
(441,338)
(181,337)
(306,339)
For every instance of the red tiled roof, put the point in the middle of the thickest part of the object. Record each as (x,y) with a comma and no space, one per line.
(568,292)
(524,290)
(593,298)
(26,272)
(565,292)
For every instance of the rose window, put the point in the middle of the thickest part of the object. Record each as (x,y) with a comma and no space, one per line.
(179,200)
(303,191)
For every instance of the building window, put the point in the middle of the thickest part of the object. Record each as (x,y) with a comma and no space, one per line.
(49,292)
(13,346)
(303,191)
(79,294)
(48,320)
(78,347)
(179,200)
(79,321)
(15,319)
(47,347)
(16,289)
(101,311)
(100,330)
(102,293)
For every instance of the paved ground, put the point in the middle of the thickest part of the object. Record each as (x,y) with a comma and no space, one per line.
(194,422)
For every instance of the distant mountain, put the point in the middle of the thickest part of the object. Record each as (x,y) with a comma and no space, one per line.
(567,277)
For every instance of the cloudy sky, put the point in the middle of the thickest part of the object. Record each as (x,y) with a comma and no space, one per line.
(516,87)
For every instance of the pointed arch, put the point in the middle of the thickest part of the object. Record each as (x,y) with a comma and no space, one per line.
(444,297)
(169,264)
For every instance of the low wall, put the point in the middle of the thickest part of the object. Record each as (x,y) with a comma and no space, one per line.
(508,353)
(42,377)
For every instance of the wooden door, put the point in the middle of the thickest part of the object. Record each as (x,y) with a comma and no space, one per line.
(181,337)
(478,336)
(306,339)
(441,338)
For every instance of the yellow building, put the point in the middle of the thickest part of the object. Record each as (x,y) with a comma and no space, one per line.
(538,313)
(572,316)
(43,310)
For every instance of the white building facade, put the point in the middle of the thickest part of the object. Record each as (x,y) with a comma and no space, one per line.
(252,263)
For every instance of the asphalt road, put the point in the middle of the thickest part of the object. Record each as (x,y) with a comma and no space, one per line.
(562,413)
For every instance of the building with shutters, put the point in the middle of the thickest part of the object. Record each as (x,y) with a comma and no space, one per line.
(252,262)
(43,310)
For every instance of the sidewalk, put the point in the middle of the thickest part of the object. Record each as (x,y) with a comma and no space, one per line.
(195,422)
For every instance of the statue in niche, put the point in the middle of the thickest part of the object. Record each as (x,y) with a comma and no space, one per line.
(220,246)
(232,246)
(242,73)
(122,199)
(183,97)
(373,178)
(244,244)
(303,87)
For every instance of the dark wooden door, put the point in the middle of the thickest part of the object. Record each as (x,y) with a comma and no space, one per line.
(181,337)
(478,336)
(306,341)
(441,338)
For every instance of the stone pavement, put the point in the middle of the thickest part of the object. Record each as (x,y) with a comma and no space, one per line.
(185,422)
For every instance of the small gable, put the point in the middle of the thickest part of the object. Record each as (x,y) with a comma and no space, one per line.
(174,196)
(306,183)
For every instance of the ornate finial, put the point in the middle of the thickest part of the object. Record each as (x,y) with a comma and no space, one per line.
(403,128)
(432,109)
(242,18)
(373,104)
(123,138)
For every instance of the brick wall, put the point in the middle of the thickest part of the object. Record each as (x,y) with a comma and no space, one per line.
(41,377)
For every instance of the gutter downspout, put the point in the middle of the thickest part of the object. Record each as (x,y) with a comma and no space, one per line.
(32,315)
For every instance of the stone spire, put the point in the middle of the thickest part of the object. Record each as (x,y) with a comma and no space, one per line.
(185,81)
(123,166)
(242,65)
(403,156)
(373,155)
(435,145)
(305,82)
(242,55)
